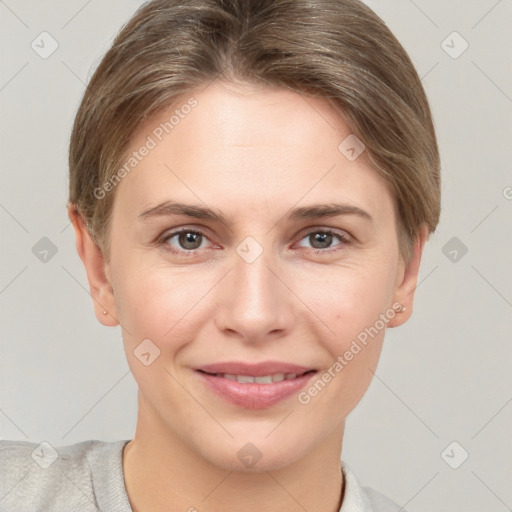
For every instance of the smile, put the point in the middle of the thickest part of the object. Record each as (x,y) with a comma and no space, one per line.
(256,389)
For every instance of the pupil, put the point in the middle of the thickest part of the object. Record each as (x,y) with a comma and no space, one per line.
(189,240)
(324,239)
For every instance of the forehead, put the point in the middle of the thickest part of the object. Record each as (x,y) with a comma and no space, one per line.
(230,141)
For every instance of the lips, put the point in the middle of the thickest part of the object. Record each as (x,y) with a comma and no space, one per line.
(255,386)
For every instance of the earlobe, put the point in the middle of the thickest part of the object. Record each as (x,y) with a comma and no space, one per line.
(407,282)
(96,268)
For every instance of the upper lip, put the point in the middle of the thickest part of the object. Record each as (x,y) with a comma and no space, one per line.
(254,369)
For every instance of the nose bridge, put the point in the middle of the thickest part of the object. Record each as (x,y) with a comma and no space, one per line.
(255,303)
(254,281)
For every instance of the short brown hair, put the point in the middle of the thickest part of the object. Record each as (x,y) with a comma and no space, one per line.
(339,50)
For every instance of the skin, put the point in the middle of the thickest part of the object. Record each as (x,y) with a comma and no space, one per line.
(252,155)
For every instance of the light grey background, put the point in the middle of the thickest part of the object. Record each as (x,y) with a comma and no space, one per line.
(445,376)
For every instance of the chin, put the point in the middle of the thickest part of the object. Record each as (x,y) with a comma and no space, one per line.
(254,454)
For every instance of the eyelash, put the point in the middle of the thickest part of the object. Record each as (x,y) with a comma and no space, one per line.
(163,241)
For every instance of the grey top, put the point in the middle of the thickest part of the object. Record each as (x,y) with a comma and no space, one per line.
(88,477)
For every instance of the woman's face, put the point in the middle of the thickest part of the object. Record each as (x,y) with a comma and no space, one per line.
(288,256)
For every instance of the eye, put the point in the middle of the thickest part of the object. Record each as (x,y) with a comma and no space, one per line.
(321,239)
(184,240)
(187,240)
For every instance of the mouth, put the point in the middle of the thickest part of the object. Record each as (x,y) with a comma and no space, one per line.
(255,386)
(259,379)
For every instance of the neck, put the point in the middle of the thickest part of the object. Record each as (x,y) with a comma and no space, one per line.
(163,474)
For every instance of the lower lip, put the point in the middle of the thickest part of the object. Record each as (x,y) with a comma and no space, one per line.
(254,395)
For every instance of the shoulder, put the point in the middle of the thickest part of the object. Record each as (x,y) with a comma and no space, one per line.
(364,499)
(381,503)
(39,476)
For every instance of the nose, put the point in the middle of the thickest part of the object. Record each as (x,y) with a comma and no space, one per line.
(255,303)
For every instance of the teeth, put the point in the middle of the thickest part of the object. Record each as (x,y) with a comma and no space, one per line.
(264,379)
(267,379)
(244,379)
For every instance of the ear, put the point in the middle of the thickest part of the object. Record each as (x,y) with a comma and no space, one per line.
(407,279)
(98,272)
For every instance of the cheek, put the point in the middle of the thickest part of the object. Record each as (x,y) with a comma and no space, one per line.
(156,305)
(353,305)
(160,303)
(347,298)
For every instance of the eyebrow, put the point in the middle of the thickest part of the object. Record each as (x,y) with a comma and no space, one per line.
(315,211)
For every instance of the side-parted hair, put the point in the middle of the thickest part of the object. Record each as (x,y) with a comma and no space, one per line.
(339,50)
